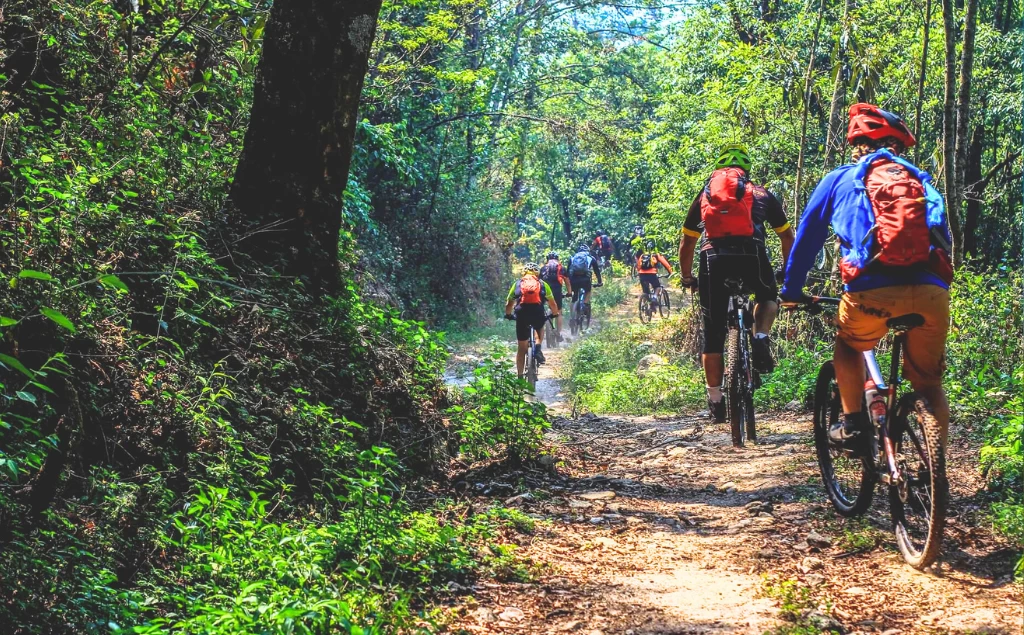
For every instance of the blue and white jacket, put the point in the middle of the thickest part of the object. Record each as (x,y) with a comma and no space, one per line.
(841,200)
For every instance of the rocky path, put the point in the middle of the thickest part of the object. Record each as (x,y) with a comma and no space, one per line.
(658,525)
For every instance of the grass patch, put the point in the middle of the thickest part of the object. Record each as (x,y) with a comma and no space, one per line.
(603,377)
(798,607)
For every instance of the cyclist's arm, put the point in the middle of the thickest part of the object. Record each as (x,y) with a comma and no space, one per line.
(510,300)
(810,237)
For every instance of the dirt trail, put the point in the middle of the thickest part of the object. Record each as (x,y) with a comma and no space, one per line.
(658,525)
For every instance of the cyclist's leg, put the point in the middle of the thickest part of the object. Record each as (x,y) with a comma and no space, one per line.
(558,320)
(924,358)
(523,341)
(765,308)
(765,292)
(588,290)
(861,320)
(714,305)
(645,283)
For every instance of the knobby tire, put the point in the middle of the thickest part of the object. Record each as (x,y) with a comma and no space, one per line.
(849,482)
(741,403)
(923,503)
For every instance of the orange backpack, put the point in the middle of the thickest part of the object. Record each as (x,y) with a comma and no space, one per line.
(901,224)
(727,205)
(530,290)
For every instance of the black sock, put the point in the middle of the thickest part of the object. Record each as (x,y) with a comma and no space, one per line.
(855,421)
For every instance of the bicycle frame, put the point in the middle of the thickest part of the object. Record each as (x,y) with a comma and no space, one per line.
(874,375)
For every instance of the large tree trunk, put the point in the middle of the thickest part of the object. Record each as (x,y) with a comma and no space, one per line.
(949,127)
(834,139)
(963,120)
(921,79)
(287,192)
(973,177)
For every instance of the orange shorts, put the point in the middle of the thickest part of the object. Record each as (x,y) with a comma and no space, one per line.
(862,317)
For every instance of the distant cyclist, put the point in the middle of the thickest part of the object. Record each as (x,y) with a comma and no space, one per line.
(647,264)
(603,246)
(525,305)
(557,278)
(731,211)
(895,240)
(582,269)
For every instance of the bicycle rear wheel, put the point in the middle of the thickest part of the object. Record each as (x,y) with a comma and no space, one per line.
(551,336)
(645,308)
(919,502)
(531,370)
(849,482)
(664,304)
(741,401)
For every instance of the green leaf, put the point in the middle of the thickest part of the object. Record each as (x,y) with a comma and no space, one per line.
(93,180)
(26,396)
(59,318)
(35,275)
(16,365)
(43,387)
(6,321)
(112,281)
(46,158)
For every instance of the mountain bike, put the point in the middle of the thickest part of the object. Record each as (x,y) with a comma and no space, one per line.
(532,366)
(741,380)
(657,299)
(903,451)
(579,321)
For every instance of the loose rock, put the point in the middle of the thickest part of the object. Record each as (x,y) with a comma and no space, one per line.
(595,496)
(817,540)
(811,564)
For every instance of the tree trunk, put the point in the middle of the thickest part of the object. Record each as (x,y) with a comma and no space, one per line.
(973,177)
(921,79)
(806,104)
(834,138)
(963,120)
(949,127)
(288,187)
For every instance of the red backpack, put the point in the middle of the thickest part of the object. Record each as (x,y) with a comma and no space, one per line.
(727,205)
(530,290)
(901,224)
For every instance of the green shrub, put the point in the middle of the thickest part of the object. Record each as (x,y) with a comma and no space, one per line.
(493,415)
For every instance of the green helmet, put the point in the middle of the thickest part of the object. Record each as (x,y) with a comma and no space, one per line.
(733,155)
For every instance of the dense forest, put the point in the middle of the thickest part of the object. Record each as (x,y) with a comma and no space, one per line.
(234,232)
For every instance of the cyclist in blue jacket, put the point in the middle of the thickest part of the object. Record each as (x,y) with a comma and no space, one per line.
(891,224)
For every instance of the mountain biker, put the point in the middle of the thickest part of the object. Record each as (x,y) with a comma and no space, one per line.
(603,245)
(733,247)
(582,269)
(557,277)
(647,264)
(527,297)
(895,242)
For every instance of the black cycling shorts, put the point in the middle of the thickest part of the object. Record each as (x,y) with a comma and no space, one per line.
(528,317)
(581,284)
(649,281)
(748,263)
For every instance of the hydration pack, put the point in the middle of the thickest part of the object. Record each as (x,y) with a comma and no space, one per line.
(908,215)
(646,261)
(549,272)
(727,205)
(531,290)
(579,265)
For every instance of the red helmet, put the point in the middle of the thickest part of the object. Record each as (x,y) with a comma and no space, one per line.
(867,120)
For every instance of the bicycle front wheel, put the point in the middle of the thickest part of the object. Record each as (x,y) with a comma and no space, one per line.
(645,308)
(741,401)
(849,482)
(531,371)
(665,305)
(918,502)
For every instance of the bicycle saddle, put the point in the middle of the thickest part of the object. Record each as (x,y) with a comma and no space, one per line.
(905,322)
